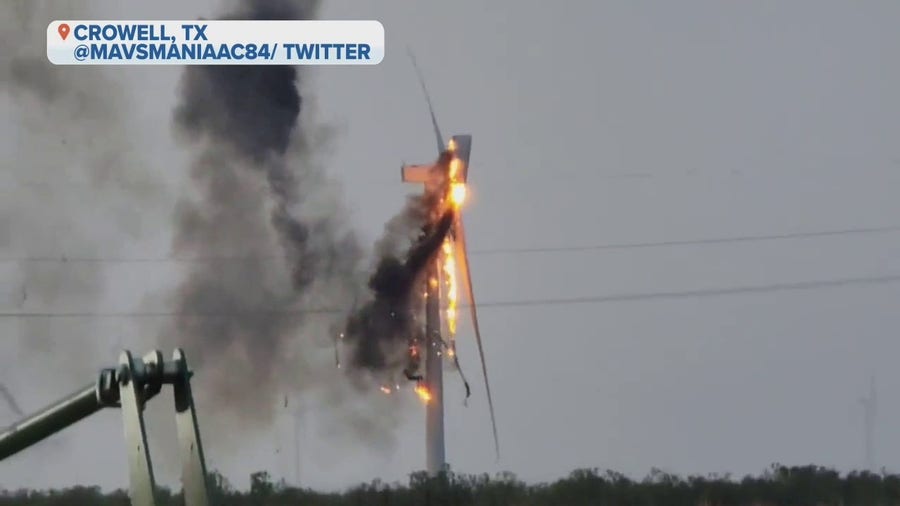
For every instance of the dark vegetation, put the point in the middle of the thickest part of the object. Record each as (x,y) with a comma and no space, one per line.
(780,485)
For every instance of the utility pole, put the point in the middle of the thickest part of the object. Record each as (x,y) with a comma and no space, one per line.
(870,406)
(297,426)
(434,375)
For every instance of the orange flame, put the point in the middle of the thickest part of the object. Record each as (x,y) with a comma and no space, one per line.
(455,164)
(423,393)
(457,190)
(455,197)
(385,389)
(449,268)
(457,194)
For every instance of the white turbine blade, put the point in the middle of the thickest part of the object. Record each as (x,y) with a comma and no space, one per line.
(434,123)
(462,262)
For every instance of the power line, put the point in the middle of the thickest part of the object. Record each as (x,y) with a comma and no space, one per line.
(689,242)
(703,292)
(594,299)
(140,260)
(475,252)
(557,177)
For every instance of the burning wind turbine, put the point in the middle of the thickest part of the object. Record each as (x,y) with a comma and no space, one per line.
(445,180)
(385,333)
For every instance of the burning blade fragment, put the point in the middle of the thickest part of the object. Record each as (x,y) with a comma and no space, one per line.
(450,290)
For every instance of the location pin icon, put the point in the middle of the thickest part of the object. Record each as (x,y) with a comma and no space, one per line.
(63,31)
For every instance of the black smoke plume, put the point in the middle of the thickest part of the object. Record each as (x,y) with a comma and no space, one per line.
(76,181)
(387,323)
(253,325)
(254,170)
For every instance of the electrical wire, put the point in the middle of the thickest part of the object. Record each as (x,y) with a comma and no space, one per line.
(475,252)
(690,242)
(591,299)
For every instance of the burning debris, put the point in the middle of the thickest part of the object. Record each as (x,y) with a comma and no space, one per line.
(389,319)
(423,393)
(447,178)
(380,327)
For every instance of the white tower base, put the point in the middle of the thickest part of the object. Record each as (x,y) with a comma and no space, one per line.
(434,378)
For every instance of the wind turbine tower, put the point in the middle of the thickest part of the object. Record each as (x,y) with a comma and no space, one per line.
(435,457)
(446,178)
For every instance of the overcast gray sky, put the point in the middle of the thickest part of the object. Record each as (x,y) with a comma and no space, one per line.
(598,123)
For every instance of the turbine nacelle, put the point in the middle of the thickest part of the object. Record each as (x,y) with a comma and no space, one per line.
(452,164)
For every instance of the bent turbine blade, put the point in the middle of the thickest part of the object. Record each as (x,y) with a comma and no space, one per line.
(437,131)
(462,261)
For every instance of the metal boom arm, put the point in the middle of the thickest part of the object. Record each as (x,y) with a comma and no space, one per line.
(49,420)
(128,387)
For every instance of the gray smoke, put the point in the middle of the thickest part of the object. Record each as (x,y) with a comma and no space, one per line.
(75,182)
(265,325)
(259,193)
(71,182)
(239,316)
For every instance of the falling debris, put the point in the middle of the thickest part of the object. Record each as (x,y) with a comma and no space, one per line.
(423,393)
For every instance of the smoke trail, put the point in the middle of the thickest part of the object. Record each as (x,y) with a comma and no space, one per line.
(240,122)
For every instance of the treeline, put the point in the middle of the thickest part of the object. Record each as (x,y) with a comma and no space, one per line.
(780,485)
